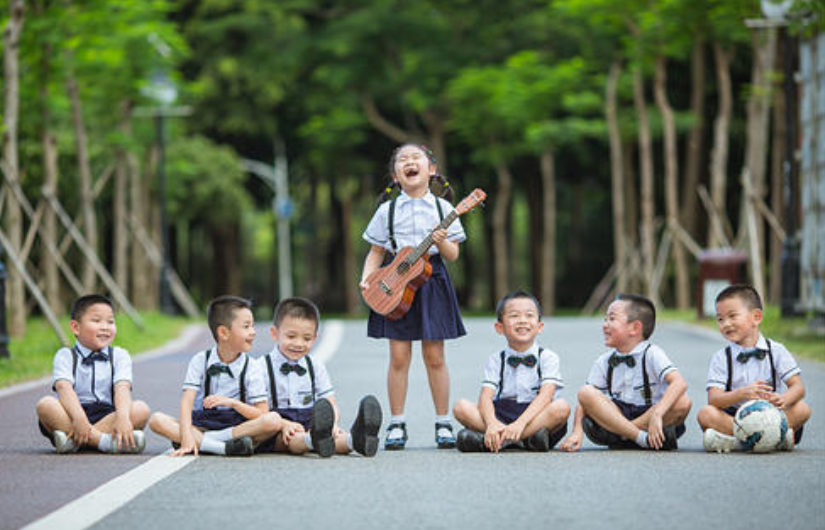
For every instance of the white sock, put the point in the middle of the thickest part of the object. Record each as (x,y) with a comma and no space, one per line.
(211,445)
(308,441)
(443,419)
(223,435)
(397,419)
(641,439)
(105,443)
(349,442)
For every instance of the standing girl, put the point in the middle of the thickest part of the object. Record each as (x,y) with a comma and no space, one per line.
(434,316)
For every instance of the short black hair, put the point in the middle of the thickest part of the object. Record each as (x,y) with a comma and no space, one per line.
(502,304)
(744,292)
(221,311)
(296,307)
(82,304)
(641,309)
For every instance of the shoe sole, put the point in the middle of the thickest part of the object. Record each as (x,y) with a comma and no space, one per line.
(240,447)
(366,426)
(468,443)
(321,425)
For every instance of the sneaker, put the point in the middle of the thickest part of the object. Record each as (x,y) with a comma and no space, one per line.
(320,428)
(444,437)
(63,444)
(600,436)
(787,443)
(396,437)
(366,426)
(470,441)
(240,446)
(715,441)
(539,441)
(140,445)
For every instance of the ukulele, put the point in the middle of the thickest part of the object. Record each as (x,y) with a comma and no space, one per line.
(392,288)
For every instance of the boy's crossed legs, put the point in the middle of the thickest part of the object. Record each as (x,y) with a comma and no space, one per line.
(714,420)
(257,430)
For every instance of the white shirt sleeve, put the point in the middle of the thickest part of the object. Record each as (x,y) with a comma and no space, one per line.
(123,365)
(786,365)
(550,369)
(195,373)
(323,383)
(62,366)
(598,373)
(255,382)
(660,363)
(377,232)
(492,372)
(455,232)
(718,371)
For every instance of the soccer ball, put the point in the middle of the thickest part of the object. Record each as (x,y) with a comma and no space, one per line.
(760,426)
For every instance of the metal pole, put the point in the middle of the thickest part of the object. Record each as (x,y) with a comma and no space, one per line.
(4,334)
(166,305)
(790,249)
(283,211)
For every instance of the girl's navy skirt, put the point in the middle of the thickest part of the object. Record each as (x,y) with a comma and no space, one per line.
(434,314)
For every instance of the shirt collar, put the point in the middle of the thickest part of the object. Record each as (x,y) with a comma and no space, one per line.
(531,350)
(403,198)
(636,351)
(280,358)
(761,344)
(235,365)
(85,352)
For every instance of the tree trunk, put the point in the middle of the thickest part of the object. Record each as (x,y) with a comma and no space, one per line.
(48,265)
(11,111)
(696,138)
(777,182)
(548,254)
(87,201)
(721,128)
(500,245)
(647,198)
(226,244)
(120,232)
(616,176)
(631,218)
(672,184)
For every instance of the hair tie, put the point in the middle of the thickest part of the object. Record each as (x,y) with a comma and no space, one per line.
(388,190)
(446,184)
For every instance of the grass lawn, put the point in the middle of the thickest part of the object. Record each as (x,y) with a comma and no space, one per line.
(32,354)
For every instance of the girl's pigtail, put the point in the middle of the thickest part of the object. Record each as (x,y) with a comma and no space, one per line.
(385,195)
(446,189)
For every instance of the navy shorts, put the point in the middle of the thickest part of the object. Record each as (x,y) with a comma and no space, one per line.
(509,410)
(94,412)
(629,410)
(216,419)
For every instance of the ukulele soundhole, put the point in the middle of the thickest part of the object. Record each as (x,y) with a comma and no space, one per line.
(403,268)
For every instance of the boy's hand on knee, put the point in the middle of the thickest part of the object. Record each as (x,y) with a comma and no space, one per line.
(213,401)
(123,433)
(572,443)
(512,432)
(187,446)
(493,436)
(655,431)
(81,430)
(291,430)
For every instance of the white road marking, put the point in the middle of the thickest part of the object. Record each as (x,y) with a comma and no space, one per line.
(104,500)
(331,337)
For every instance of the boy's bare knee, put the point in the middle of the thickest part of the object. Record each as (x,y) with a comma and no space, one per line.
(46,404)
(561,409)
(272,422)
(157,421)
(705,416)
(140,413)
(587,394)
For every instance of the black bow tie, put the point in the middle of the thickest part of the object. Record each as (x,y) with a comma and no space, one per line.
(217,369)
(616,360)
(95,356)
(286,368)
(528,360)
(745,355)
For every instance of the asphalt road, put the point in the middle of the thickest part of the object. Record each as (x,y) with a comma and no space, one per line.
(423,487)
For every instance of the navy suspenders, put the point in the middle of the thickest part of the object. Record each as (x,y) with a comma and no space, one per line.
(76,354)
(273,390)
(646,393)
(501,371)
(207,381)
(729,356)
(391,221)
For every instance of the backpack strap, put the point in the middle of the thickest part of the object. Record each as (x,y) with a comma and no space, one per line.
(207,379)
(273,390)
(773,366)
(500,375)
(311,376)
(391,226)
(242,382)
(729,383)
(648,395)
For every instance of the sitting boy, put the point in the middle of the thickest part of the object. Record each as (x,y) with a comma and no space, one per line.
(749,367)
(516,404)
(93,381)
(634,396)
(301,391)
(223,410)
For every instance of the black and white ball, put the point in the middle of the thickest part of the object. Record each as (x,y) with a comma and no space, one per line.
(760,426)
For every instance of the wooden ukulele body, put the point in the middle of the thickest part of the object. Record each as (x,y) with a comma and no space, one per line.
(392,288)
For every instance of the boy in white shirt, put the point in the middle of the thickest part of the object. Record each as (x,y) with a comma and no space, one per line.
(749,367)
(517,403)
(93,381)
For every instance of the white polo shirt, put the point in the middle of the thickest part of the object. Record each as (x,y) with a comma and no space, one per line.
(293,390)
(224,384)
(628,383)
(754,369)
(92,382)
(522,382)
(413,221)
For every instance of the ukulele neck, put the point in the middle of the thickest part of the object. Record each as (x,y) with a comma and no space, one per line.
(425,245)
